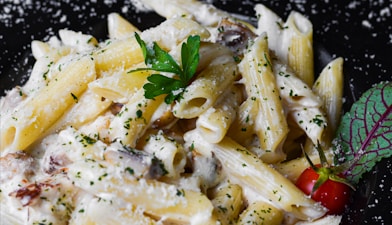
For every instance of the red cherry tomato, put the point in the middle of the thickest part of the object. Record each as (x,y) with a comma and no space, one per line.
(331,194)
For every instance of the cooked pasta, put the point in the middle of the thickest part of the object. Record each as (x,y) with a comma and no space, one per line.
(85,144)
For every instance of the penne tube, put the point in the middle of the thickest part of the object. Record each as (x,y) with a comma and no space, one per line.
(79,115)
(134,119)
(270,123)
(41,49)
(242,128)
(301,104)
(295,93)
(215,122)
(203,92)
(227,202)
(312,121)
(290,40)
(120,86)
(261,213)
(159,200)
(30,120)
(120,28)
(93,210)
(248,171)
(48,61)
(117,54)
(169,152)
(270,23)
(40,76)
(300,51)
(71,145)
(210,51)
(329,87)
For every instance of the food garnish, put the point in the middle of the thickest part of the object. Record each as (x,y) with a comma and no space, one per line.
(161,61)
(364,136)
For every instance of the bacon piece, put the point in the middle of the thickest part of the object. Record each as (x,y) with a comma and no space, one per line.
(29,194)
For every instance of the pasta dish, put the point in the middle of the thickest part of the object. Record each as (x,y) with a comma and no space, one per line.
(202,119)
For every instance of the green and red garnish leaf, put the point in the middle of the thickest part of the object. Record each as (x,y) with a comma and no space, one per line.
(364,136)
(159,60)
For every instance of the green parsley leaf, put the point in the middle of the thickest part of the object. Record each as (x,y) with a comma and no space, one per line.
(190,57)
(160,84)
(159,60)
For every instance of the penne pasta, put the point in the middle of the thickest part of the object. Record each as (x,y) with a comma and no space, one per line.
(117,54)
(200,119)
(250,172)
(120,28)
(228,203)
(301,104)
(290,40)
(300,51)
(41,49)
(49,60)
(270,124)
(169,152)
(270,23)
(242,128)
(158,199)
(77,115)
(120,86)
(215,122)
(210,51)
(32,118)
(95,210)
(203,92)
(329,87)
(133,119)
(40,75)
(261,213)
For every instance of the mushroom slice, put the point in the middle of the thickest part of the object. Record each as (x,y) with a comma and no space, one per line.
(137,163)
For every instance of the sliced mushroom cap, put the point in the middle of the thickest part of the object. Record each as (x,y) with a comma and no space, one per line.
(209,169)
(235,35)
(136,162)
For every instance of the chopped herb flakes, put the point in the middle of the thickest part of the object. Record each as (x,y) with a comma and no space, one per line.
(75,97)
(86,140)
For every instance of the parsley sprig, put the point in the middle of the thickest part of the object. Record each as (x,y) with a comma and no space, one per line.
(159,60)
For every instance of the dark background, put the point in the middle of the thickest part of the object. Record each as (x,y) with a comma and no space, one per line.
(359,31)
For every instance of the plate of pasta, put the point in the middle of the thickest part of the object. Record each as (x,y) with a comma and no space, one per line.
(193,112)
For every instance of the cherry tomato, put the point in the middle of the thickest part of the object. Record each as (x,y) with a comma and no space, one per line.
(331,194)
